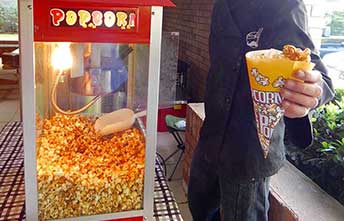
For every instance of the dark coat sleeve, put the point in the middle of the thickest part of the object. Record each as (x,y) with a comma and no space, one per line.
(293,30)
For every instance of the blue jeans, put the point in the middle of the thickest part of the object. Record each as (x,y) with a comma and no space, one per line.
(239,201)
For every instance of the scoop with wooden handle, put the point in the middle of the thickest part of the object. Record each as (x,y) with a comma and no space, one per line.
(116,121)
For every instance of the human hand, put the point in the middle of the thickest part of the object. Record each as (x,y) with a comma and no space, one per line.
(300,97)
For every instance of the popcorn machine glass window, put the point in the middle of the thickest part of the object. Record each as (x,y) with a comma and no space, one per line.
(89,162)
(91,66)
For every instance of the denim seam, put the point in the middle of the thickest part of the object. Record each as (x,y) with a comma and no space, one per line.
(237,202)
(266,192)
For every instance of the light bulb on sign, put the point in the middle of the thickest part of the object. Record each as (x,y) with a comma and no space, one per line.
(61,58)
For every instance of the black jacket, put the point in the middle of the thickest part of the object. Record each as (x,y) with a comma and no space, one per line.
(228,138)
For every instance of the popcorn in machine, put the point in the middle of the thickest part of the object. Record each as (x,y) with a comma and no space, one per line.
(88,153)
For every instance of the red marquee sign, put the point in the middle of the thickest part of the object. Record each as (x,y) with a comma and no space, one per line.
(118,19)
(114,21)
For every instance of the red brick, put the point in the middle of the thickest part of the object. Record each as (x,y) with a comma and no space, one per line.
(192,20)
(279,211)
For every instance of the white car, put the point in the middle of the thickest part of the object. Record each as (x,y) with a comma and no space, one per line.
(335,65)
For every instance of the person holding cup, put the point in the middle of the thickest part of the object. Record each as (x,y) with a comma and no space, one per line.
(229,171)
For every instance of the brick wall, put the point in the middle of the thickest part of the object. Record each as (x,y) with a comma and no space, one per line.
(194,119)
(191,19)
(316,19)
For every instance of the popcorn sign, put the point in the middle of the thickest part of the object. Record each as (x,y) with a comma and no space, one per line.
(268,113)
(117,19)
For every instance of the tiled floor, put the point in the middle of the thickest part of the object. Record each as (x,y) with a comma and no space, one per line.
(10,111)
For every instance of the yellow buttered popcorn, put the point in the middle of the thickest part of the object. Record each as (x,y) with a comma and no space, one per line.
(80,173)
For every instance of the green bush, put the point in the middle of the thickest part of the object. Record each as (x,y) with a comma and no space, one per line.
(328,123)
(323,161)
(337,23)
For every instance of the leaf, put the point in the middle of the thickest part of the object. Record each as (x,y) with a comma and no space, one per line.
(341,133)
(338,158)
(326,150)
(325,144)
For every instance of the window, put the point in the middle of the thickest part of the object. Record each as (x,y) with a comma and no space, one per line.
(8,20)
(326,23)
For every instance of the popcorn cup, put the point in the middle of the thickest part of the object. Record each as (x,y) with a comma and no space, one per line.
(268,70)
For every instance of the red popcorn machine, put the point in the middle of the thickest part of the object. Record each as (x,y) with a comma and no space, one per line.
(90,72)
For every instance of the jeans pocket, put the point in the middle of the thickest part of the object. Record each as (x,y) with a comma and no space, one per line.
(245,201)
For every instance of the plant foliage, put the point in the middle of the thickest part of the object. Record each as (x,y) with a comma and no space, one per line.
(8,17)
(337,23)
(324,160)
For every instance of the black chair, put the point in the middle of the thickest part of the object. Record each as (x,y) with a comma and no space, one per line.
(171,124)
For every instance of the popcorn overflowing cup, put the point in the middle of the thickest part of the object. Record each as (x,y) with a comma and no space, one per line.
(268,70)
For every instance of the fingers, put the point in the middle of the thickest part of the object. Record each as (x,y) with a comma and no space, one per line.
(309,89)
(301,96)
(292,110)
(308,77)
(299,99)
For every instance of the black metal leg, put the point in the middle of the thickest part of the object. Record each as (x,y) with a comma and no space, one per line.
(180,148)
(171,155)
(179,140)
(175,167)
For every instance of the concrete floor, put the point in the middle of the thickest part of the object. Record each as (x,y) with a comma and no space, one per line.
(10,111)
(166,145)
(9,106)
